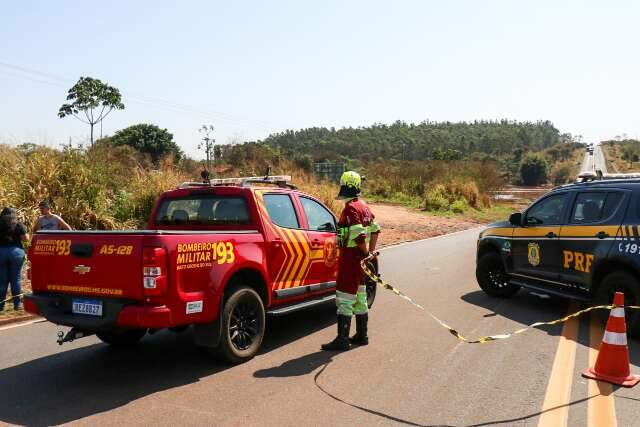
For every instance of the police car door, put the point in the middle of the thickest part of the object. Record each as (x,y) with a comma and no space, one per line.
(588,236)
(535,250)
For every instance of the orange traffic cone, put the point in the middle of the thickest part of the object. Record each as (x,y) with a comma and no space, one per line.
(612,364)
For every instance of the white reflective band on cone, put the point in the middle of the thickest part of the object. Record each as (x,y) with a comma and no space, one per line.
(614,338)
(617,312)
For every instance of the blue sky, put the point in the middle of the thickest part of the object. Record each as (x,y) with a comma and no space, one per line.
(251,68)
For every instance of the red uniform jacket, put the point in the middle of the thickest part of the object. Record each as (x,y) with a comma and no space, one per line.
(350,274)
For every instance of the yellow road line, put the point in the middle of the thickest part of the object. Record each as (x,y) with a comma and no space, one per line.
(555,409)
(602,406)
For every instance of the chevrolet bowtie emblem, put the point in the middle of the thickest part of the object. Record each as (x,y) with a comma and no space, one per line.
(81,269)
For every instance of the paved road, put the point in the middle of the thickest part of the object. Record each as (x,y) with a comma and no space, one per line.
(591,163)
(413,373)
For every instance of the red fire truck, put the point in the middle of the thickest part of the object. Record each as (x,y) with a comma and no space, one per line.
(220,256)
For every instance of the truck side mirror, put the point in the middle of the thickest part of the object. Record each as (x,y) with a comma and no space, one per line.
(327,226)
(516,218)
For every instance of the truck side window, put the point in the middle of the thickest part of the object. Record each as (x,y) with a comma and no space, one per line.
(547,211)
(588,208)
(281,210)
(318,217)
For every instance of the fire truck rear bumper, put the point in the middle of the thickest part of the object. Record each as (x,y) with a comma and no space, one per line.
(57,308)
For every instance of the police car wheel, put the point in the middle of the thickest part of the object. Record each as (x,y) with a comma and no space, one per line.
(122,337)
(243,325)
(492,278)
(621,281)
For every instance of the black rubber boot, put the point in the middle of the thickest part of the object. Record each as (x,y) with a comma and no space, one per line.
(360,338)
(341,343)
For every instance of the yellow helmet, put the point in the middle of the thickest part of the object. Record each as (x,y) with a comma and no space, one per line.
(350,182)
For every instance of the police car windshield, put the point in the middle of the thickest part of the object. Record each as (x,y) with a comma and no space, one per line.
(204,210)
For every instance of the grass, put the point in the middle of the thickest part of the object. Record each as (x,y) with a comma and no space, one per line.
(497,212)
(402,199)
(613,158)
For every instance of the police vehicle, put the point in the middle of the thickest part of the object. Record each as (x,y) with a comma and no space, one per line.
(579,241)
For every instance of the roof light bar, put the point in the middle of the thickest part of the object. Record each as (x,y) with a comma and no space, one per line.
(281,180)
(242,180)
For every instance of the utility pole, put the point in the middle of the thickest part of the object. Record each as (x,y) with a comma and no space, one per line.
(207,143)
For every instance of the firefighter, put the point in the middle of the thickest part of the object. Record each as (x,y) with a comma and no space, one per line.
(357,236)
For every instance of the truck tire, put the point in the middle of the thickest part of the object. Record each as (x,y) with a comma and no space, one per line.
(243,325)
(492,278)
(371,284)
(621,281)
(122,337)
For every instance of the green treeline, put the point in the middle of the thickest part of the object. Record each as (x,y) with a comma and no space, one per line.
(424,141)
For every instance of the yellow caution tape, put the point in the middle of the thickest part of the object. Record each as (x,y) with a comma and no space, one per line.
(376,278)
(12,297)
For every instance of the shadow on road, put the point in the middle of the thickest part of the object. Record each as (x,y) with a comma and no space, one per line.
(297,367)
(74,384)
(527,308)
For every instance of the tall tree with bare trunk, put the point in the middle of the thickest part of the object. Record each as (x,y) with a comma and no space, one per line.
(91,101)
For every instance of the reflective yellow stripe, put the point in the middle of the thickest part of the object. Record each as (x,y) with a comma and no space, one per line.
(535,231)
(499,231)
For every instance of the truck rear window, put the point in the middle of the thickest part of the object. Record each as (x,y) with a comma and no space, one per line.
(203,210)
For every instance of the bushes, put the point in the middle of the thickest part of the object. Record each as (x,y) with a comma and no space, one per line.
(562,173)
(100,188)
(455,196)
(414,178)
(533,169)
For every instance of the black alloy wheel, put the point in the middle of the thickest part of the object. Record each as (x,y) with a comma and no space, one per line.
(492,277)
(243,327)
(371,284)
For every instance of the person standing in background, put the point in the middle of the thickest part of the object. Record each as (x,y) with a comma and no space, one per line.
(12,234)
(48,220)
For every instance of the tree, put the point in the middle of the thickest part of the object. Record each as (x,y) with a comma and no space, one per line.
(147,138)
(533,169)
(207,143)
(89,96)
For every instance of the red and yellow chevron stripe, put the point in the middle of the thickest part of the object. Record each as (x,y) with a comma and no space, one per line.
(299,256)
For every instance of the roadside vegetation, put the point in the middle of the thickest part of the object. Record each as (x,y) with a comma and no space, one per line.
(114,182)
(622,155)
(444,168)
(440,167)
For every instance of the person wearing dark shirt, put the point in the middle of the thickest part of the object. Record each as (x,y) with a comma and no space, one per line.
(12,234)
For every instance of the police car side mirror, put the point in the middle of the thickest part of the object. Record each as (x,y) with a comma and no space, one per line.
(516,218)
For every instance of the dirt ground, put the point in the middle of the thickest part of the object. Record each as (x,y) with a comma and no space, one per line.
(400,224)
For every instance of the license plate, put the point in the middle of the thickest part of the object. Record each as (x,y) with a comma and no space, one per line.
(87,306)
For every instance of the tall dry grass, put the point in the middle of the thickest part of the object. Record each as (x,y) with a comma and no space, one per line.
(108,187)
(100,188)
(440,185)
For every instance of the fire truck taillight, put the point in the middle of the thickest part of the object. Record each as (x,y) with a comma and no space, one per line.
(154,273)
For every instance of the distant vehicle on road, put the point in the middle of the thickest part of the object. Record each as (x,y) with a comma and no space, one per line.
(217,256)
(580,241)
